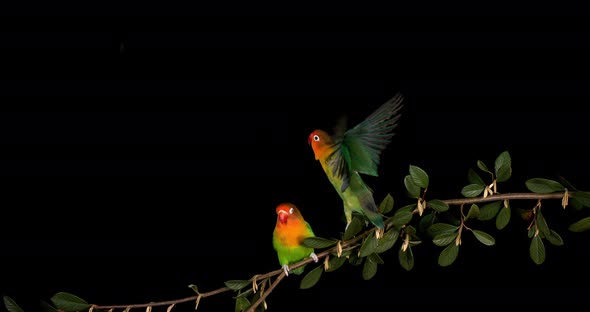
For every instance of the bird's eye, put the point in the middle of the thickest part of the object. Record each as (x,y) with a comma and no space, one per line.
(291,210)
(316,138)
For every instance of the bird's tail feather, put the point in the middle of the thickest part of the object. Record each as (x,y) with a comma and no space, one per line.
(375,218)
(298,270)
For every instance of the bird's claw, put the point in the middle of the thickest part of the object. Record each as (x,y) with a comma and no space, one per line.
(286,269)
(314,257)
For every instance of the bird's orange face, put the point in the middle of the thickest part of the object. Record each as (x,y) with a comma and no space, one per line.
(315,138)
(284,211)
(319,140)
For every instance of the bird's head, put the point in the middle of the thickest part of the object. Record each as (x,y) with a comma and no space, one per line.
(286,211)
(319,140)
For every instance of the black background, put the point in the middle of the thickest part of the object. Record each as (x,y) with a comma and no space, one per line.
(144,152)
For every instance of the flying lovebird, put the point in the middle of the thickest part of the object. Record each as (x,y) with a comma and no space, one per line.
(347,153)
(290,231)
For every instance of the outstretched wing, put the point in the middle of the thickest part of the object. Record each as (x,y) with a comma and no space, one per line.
(359,148)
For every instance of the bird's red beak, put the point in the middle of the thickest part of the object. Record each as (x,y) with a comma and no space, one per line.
(283,215)
(309,140)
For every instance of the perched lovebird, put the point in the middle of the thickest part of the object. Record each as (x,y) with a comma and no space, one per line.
(287,239)
(350,152)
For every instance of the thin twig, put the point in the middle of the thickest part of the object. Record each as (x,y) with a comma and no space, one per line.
(163,303)
(265,294)
(347,245)
(495,197)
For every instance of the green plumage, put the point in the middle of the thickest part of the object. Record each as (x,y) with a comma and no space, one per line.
(358,149)
(292,254)
(349,153)
(290,231)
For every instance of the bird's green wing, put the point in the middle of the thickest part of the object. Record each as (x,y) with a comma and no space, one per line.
(365,142)
(310,231)
(359,148)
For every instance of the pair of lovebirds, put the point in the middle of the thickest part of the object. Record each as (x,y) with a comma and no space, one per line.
(344,156)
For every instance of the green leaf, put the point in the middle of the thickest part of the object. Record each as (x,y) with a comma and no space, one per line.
(426,221)
(474,178)
(450,219)
(406,258)
(244,293)
(242,304)
(537,250)
(531,232)
(46,307)
(503,167)
(376,258)
(438,205)
(11,306)
(567,184)
(311,278)
(415,242)
(335,263)
(345,253)
(554,238)
(473,212)
(319,242)
(411,187)
(403,215)
(237,284)
(580,225)
(409,229)
(401,218)
(354,259)
(575,203)
(369,245)
(472,190)
(503,218)
(194,288)
(543,186)
(386,204)
(387,241)
(482,166)
(583,198)
(503,174)
(439,228)
(444,239)
(489,211)
(419,176)
(69,302)
(542,224)
(355,226)
(448,255)
(369,269)
(484,237)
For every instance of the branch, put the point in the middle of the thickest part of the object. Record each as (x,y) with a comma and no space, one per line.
(264,295)
(495,197)
(164,303)
(349,244)
(342,245)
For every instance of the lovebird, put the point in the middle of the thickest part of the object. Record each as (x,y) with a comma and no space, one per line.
(350,152)
(290,231)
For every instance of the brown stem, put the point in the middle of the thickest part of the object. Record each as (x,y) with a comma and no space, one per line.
(265,294)
(495,197)
(347,245)
(163,303)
